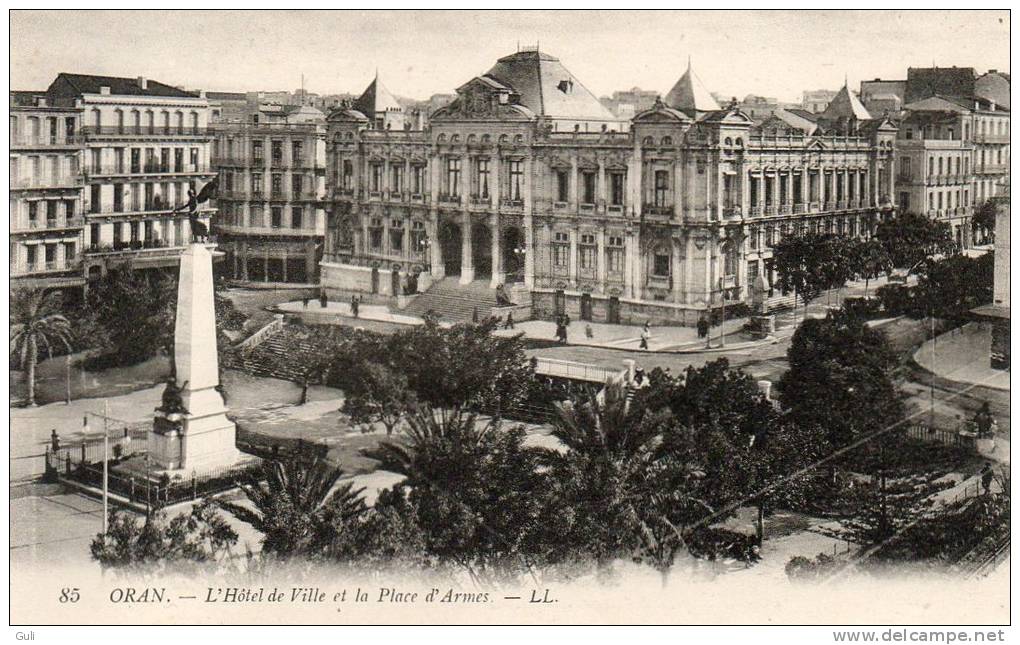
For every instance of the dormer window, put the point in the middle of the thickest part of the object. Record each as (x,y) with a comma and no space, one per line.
(565,86)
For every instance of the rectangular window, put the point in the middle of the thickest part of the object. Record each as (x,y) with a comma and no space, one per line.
(562,186)
(614,254)
(348,174)
(136,160)
(194,159)
(661,188)
(298,153)
(164,160)
(587,187)
(397,178)
(660,263)
(277,152)
(375,234)
(616,183)
(297,217)
(586,252)
(752,271)
(453,177)
(276,186)
(31,258)
(516,179)
(561,250)
(296,184)
(418,187)
(256,152)
(178,159)
(419,238)
(255,217)
(377,177)
(396,237)
(482,187)
(276,213)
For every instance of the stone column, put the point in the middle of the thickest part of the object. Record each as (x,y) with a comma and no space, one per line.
(573,257)
(284,263)
(467,266)
(600,258)
(310,260)
(438,269)
(494,181)
(498,272)
(630,262)
(529,224)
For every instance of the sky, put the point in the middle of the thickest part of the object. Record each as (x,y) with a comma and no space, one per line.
(770,53)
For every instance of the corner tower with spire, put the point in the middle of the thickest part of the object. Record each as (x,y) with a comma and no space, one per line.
(690,95)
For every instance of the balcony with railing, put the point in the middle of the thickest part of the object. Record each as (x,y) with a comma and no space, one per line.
(47,224)
(66,180)
(93,131)
(448,198)
(657,210)
(19,269)
(22,141)
(991,138)
(113,170)
(991,168)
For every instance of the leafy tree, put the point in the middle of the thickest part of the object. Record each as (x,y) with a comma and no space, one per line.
(949,288)
(798,261)
(910,238)
(380,395)
(841,379)
(984,220)
(883,508)
(200,538)
(301,508)
(464,366)
(869,258)
(474,492)
(129,316)
(36,320)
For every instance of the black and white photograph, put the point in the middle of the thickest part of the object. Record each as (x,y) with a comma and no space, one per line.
(511,317)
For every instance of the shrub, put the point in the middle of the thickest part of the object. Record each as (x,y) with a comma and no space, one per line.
(896,299)
(801,569)
(862,307)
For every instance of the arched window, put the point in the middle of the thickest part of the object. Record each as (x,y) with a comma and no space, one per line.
(648,141)
(729,141)
(165,121)
(503,138)
(740,142)
(179,121)
(136,121)
(667,141)
(97,118)
(120,121)
(519,138)
(455,138)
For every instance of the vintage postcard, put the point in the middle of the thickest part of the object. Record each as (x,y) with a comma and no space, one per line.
(511,317)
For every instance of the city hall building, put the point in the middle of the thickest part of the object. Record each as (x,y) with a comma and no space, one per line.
(527,180)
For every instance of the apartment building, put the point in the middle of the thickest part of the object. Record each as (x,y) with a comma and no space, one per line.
(46,223)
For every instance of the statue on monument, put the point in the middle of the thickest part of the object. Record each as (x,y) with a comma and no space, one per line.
(199,231)
(173,402)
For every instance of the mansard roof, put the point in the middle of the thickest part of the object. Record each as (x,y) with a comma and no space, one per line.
(546,87)
(690,94)
(77,84)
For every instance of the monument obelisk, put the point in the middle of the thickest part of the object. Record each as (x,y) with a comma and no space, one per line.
(191,430)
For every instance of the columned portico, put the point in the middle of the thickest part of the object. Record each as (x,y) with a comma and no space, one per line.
(498,268)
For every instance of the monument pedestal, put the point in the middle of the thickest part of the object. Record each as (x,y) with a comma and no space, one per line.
(191,430)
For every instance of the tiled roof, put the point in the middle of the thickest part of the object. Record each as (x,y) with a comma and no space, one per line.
(90,84)
(845,105)
(376,98)
(689,93)
(546,87)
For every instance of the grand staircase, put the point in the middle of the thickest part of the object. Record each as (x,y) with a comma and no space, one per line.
(278,356)
(454,302)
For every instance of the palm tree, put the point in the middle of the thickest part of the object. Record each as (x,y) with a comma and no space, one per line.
(36,320)
(608,452)
(300,507)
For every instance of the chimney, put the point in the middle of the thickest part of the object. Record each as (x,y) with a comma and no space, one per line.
(992,106)
(104,89)
(143,82)
(40,101)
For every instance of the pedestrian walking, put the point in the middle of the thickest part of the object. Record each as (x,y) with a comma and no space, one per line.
(986,477)
(509,324)
(322,298)
(646,333)
(355,305)
(588,333)
(54,440)
(304,302)
(702,327)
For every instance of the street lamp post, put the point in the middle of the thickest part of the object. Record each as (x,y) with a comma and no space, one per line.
(67,379)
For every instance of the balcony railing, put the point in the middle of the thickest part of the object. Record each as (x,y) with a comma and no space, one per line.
(53,266)
(446,198)
(800,208)
(148,169)
(145,130)
(652,209)
(60,181)
(991,138)
(47,224)
(152,246)
(46,141)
